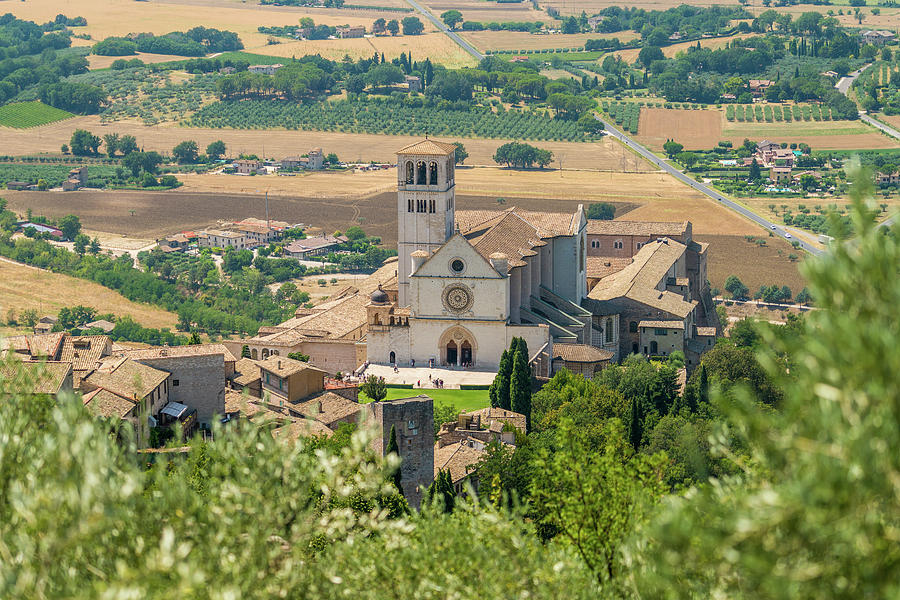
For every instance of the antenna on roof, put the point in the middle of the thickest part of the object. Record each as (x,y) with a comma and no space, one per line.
(426,134)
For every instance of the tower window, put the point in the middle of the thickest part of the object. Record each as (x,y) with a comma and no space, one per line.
(420,206)
(457,265)
(431,206)
(433,172)
(409,172)
(421,173)
(409,205)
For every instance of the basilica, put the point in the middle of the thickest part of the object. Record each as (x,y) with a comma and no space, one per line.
(467,282)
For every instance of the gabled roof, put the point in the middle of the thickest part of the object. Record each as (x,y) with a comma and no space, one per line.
(459,459)
(669,229)
(284,366)
(84,351)
(48,377)
(328,407)
(105,403)
(126,377)
(662,324)
(427,146)
(580,353)
(178,351)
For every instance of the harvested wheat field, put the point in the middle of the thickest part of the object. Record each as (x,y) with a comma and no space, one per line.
(436,46)
(631,55)
(23,287)
(103,62)
(696,129)
(118,17)
(520,40)
(485,12)
(604,154)
(822,135)
(754,265)
(575,7)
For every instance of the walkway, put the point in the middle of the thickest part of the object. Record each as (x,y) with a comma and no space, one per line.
(777,229)
(453,378)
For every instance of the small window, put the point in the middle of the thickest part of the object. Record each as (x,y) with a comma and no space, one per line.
(457,265)
(659,331)
(411,424)
(174,383)
(632,327)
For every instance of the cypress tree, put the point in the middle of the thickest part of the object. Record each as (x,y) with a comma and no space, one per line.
(441,490)
(392,446)
(704,384)
(520,384)
(245,351)
(635,424)
(500,387)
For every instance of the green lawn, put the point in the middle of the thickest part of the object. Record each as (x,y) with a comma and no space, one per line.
(30,114)
(464,400)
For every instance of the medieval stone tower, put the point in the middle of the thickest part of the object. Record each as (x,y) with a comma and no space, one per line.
(425,203)
(413,423)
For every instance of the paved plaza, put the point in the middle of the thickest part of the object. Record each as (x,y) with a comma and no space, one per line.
(453,378)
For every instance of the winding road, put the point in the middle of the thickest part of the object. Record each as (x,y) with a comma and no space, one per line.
(777,229)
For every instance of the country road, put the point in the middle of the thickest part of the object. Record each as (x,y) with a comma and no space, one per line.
(443,27)
(704,189)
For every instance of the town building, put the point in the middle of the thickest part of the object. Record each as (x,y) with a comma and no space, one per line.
(460,459)
(581,359)
(246,166)
(780,175)
(771,154)
(313,161)
(53,232)
(45,324)
(413,422)
(290,379)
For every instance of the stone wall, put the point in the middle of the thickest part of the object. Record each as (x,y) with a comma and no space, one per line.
(200,382)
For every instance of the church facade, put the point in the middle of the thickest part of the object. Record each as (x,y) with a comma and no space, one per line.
(470,281)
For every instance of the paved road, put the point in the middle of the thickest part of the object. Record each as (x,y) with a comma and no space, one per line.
(443,27)
(844,83)
(704,189)
(879,125)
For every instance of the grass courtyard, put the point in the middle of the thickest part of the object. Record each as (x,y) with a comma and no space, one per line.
(463,400)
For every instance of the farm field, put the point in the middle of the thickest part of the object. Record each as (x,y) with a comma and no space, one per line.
(631,55)
(893,120)
(104,62)
(23,115)
(520,40)
(574,7)
(761,205)
(23,287)
(696,129)
(604,154)
(889,18)
(833,135)
(478,10)
(754,265)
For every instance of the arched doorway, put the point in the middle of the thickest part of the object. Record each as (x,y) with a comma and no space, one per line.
(457,346)
(265,353)
(452,353)
(465,353)
(654,348)
(254,354)
(392,358)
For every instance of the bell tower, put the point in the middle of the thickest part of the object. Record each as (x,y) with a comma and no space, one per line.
(425,204)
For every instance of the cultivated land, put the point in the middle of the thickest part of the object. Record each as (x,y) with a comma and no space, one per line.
(520,40)
(605,154)
(760,205)
(478,10)
(23,287)
(103,62)
(574,7)
(631,55)
(754,265)
(696,129)
(823,135)
(21,115)
(119,17)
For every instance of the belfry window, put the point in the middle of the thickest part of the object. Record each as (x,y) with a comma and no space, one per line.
(409,172)
(409,205)
(421,173)
(431,206)
(433,174)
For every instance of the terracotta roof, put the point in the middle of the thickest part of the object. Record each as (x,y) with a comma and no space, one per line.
(328,407)
(103,324)
(177,351)
(105,403)
(509,234)
(85,351)
(491,415)
(43,345)
(427,146)
(126,377)
(662,324)
(284,366)
(639,280)
(706,331)
(48,376)
(459,458)
(246,371)
(648,228)
(599,267)
(581,353)
(302,428)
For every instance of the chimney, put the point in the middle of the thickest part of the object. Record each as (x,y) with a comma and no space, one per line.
(165,350)
(279,365)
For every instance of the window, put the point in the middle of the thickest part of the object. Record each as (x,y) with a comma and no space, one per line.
(457,265)
(409,172)
(632,327)
(174,383)
(409,205)
(421,173)
(595,244)
(659,331)
(431,206)
(609,331)
(420,206)
(617,244)
(433,173)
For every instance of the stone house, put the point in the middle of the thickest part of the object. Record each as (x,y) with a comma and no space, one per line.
(350,31)
(580,358)
(215,238)
(413,423)
(290,379)
(264,69)
(249,166)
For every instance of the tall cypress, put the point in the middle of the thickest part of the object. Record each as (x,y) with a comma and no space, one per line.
(501,381)
(520,384)
(704,384)
(392,446)
(635,424)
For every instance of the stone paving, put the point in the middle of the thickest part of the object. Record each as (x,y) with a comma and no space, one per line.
(453,378)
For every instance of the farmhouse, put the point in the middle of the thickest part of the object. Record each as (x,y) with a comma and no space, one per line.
(758,87)
(876,38)
(771,154)
(215,238)
(314,246)
(414,83)
(313,161)
(43,229)
(249,167)
(265,69)
(780,174)
(350,31)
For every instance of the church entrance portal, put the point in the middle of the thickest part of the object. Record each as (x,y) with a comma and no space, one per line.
(465,354)
(458,347)
(452,353)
